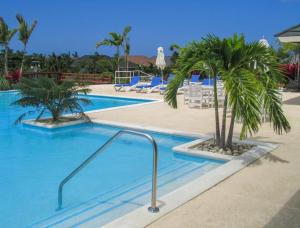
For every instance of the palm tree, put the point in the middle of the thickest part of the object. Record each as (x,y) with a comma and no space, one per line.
(5,37)
(115,40)
(174,48)
(126,45)
(44,94)
(250,73)
(25,32)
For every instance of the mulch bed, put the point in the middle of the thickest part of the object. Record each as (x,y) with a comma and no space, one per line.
(236,149)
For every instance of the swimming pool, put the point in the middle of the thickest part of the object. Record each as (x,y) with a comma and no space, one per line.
(33,161)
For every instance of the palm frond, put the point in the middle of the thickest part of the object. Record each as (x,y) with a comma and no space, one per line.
(171,91)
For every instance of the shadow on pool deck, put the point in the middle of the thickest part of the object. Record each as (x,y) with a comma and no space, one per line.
(270,158)
(288,215)
(293,101)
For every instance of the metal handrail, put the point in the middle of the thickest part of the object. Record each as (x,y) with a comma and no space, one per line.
(142,72)
(153,208)
(130,74)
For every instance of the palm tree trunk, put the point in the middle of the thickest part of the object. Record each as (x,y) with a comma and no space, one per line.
(231,127)
(55,115)
(217,120)
(23,59)
(126,61)
(223,131)
(118,58)
(6,61)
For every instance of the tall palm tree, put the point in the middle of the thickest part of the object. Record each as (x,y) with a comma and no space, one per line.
(6,35)
(250,73)
(115,40)
(126,44)
(25,32)
(174,48)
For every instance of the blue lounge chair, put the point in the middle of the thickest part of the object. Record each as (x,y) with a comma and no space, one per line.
(155,84)
(208,82)
(133,83)
(195,78)
(165,84)
(170,78)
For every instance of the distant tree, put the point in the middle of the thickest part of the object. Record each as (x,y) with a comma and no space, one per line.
(150,69)
(290,53)
(25,32)
(6,35)
(75,54)
(14,59)
(59,63)
(41,59)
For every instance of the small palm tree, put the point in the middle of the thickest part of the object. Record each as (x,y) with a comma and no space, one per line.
(116,40)
(25,32)
(250,73)
(6,35)
(44,94)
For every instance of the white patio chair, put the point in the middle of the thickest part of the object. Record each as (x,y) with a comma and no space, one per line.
(199,97)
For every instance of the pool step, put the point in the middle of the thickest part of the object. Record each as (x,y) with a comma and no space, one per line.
(121,200)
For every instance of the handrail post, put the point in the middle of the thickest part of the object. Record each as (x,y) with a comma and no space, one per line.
(153,208)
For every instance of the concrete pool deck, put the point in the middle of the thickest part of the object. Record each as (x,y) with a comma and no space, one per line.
(264,194)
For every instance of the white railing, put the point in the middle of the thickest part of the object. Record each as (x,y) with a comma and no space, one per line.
(123,75)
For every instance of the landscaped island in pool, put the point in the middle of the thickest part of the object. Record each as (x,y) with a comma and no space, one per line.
(34,161)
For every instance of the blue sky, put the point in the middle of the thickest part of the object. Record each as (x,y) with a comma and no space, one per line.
(76,25)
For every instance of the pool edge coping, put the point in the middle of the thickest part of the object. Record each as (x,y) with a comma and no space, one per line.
(31,122)
(140,217)
(151,101)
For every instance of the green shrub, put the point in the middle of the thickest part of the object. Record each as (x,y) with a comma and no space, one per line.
(4,84)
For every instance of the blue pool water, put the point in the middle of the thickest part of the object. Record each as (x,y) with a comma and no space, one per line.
(34,161)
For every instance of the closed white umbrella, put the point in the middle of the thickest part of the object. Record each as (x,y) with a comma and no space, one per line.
(265,43)
(160,60)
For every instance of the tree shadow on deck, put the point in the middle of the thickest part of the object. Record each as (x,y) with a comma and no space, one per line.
(270,158)
(288,215)
(259,160)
